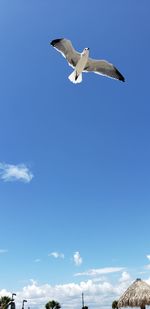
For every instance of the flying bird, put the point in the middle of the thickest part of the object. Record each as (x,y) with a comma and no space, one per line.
(82,63)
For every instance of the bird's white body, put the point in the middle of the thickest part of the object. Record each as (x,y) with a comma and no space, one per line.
(76,76)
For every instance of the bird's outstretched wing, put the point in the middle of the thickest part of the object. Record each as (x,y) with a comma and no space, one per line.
(103,67)
(65,47)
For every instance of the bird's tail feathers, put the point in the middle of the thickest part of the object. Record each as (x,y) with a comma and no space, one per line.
(74,78)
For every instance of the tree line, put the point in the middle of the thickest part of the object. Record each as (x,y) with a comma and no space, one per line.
(52,304)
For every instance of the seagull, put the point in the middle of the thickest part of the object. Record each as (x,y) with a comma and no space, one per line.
(82,63)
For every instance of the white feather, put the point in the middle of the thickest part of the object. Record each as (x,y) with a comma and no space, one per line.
(72,78)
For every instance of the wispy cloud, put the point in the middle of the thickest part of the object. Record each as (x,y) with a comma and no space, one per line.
(37,260)
(148,257)
(56,255)
(2,251)
(100,271)
(10,172)
(77,258)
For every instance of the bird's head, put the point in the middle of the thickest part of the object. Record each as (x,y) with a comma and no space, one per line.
(85,51)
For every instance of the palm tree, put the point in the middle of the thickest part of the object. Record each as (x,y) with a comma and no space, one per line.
(4,301)
(115,304)
(52,304)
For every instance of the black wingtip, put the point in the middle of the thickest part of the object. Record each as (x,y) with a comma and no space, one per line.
(54,42)
(120,76)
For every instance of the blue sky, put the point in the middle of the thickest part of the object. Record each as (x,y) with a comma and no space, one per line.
(74,159)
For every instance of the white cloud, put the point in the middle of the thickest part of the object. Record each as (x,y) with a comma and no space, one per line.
(57,255)
(3,251)
(77,258)
(100,271)
(97,294)
(147,266)
(125,277)
(4,292)
(10,172)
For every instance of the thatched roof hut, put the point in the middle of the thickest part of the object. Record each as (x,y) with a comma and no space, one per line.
(137,295)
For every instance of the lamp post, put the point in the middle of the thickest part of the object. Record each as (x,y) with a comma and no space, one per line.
(11,303)
(12,298)
(83,306)
(24,301)
(82,301)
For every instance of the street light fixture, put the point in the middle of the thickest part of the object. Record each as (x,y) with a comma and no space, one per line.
(11,303)
(12,298)
(24,301)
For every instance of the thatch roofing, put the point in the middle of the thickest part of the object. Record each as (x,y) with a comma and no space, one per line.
(137,295)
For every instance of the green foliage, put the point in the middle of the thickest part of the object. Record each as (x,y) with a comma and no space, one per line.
(52,305)
(115,304)
(4,301)
(85,307)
